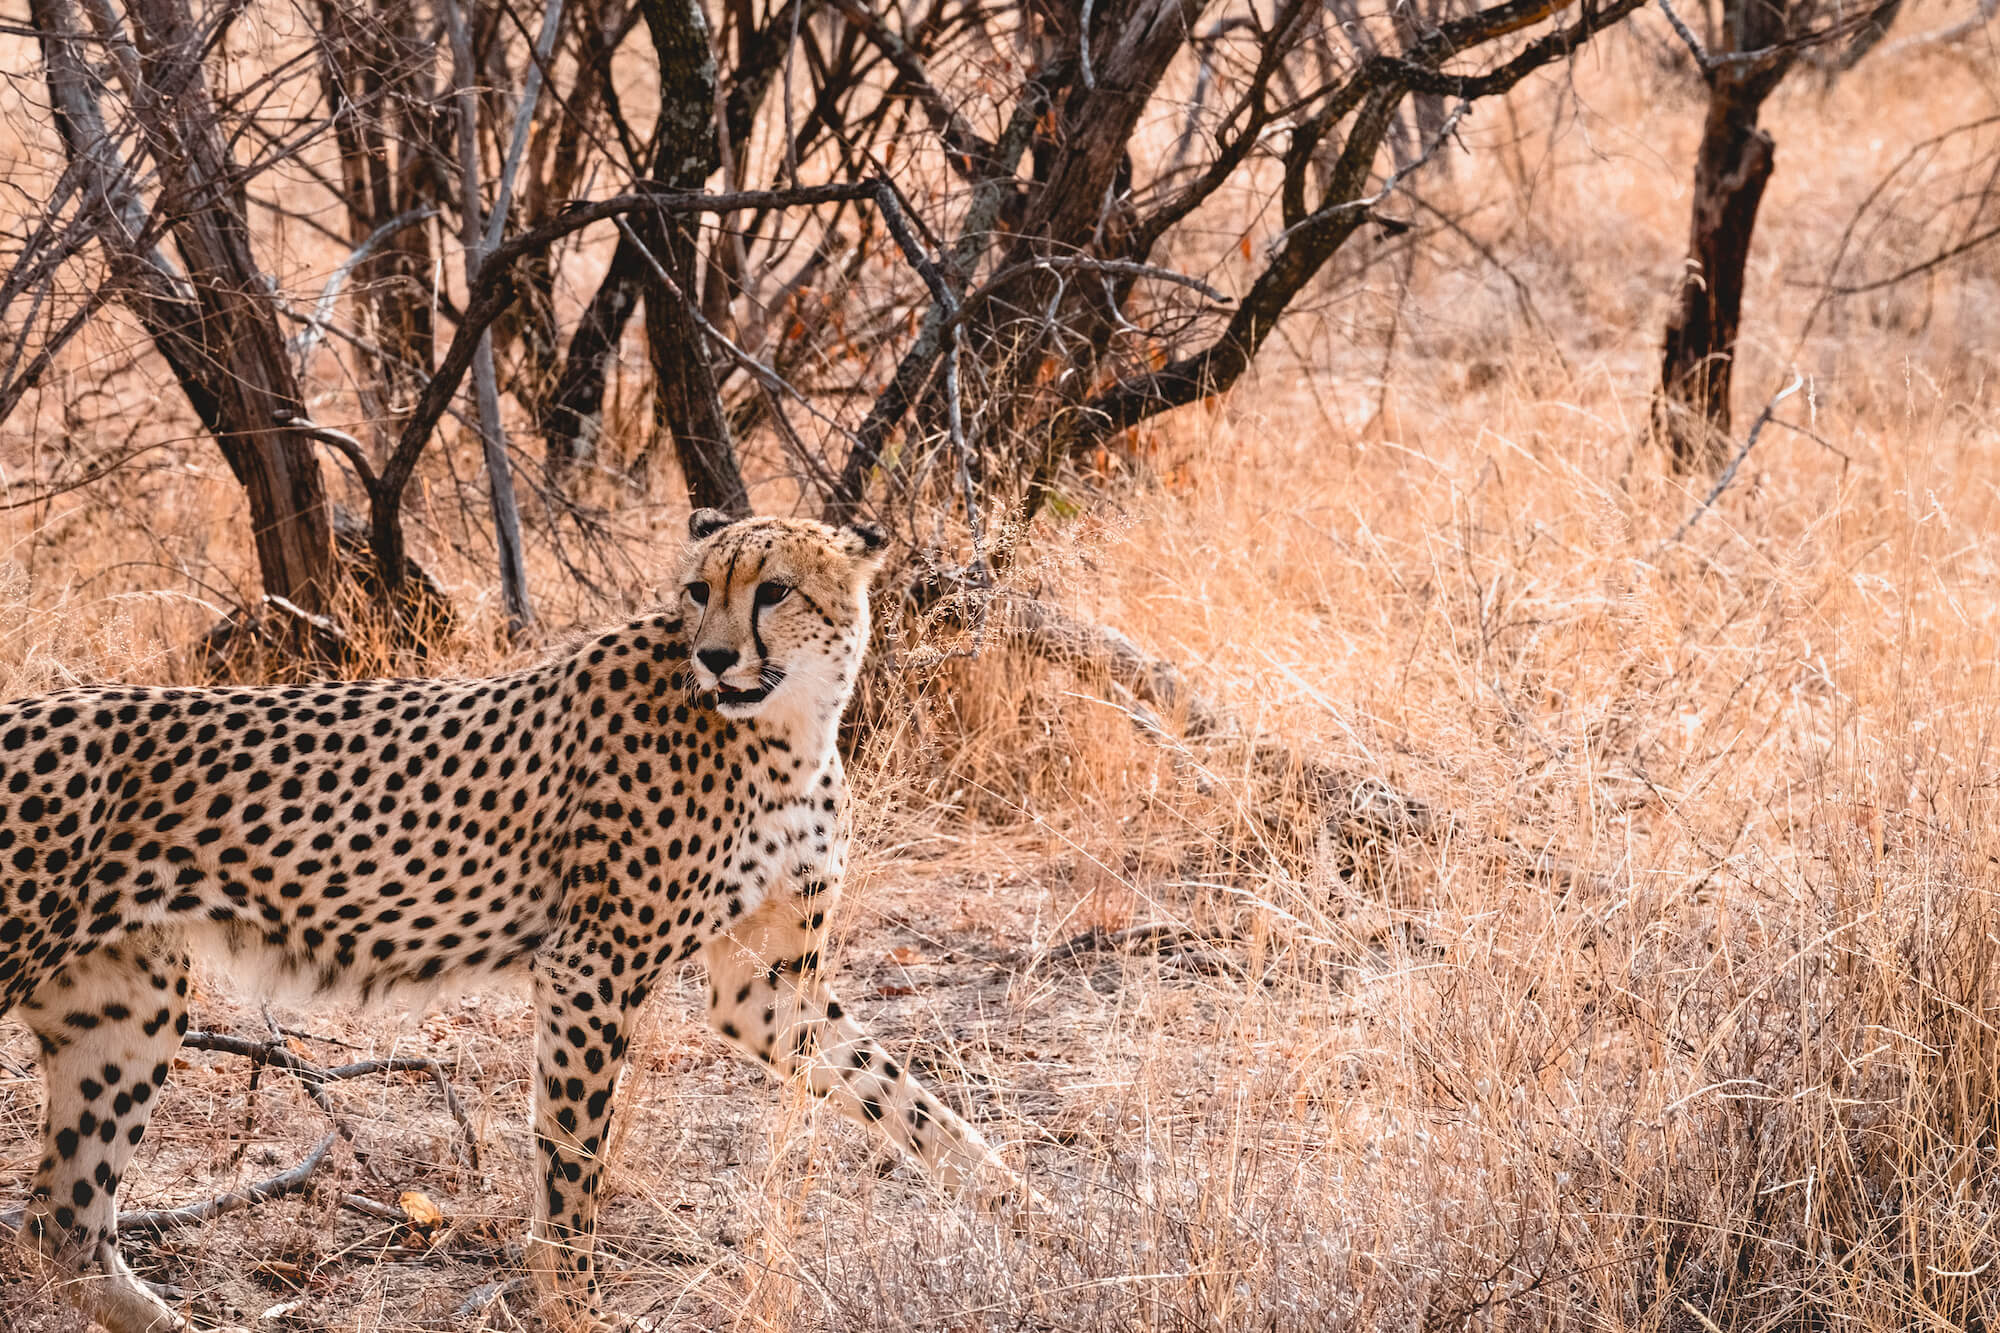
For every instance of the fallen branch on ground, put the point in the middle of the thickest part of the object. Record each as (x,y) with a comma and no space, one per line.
(313,1078)
(1362,813)
(285,1182)
(1360,804)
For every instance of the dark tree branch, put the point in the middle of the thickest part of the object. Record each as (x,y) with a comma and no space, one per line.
(1311,239)
(496,287)
(915,368)
(1256,116)
(969,155)
(285,1182)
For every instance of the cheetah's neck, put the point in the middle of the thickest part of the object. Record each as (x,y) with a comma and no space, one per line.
(807,733)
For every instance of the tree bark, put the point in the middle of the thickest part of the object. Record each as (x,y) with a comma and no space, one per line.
(685,402)
(387,158)
(1699,360)
(1733,165)
(572,416)
(235,365)
(687,406)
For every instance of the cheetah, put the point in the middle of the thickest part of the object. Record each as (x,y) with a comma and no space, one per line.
(669,791)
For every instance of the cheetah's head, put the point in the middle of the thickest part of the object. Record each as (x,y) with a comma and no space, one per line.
(777,610)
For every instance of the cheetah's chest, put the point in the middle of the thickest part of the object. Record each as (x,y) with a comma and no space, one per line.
(710,857)
(784,846)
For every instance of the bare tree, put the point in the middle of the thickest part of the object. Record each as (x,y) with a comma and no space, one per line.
(925,286)
(1761,41)
(1086,226)
(213,320)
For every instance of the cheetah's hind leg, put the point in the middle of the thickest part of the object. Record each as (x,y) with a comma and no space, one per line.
(108,1025)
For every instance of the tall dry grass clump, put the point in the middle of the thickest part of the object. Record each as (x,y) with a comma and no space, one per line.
(1680,1017)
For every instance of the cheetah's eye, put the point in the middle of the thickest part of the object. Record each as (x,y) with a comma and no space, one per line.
(698,593)
(770,594)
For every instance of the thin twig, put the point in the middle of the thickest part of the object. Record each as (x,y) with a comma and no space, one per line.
(367,1207)
(1819,440)
(1729,472)
(493,291)
(965,151)
(1937,260)
(415,1064)
(955,426)
(482,1296)
(306,339)
(791,130)
(311,619)
(94,475)
(285,1182)
(1083,46)
(310,1076)
(890,205)
(1396,177)
(1981,16)
(1060,263)
(1707,62)
(480,242)
(524,115)
(313,1078)
(16,389)
(339,439)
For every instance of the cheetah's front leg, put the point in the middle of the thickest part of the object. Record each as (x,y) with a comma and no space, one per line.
(767,996)
(580,1040)
(108,1023)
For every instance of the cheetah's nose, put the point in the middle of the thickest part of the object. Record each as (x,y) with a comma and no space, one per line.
(718,660)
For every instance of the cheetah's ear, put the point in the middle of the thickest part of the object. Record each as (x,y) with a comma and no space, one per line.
(864,541)
(707,522)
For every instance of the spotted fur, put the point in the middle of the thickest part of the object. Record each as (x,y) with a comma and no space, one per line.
(667,791)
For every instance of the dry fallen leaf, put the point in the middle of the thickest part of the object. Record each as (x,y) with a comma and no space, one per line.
(282,1269)
(424,1215)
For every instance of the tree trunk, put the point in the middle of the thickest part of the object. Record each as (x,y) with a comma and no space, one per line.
(572,416)
(235,366)
(685,402)
(1691,412)
(387,138)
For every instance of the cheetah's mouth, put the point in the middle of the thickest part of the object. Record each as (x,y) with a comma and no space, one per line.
(729,697)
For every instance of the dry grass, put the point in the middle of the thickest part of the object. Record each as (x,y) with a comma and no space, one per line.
(1727,1060)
